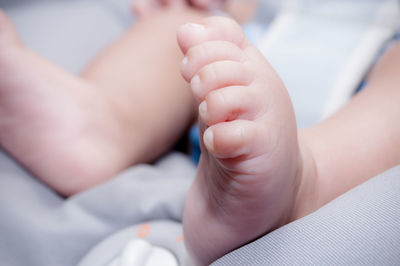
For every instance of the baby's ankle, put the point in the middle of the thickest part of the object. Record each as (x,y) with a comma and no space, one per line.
(307,190)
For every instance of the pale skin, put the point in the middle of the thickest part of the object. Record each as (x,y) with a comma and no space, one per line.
(75,132)
(257,172)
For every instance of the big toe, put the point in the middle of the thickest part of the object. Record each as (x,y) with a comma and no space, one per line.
(211,29)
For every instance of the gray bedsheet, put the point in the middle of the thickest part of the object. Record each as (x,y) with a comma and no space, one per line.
(361,227)
(37,226)
(40,228)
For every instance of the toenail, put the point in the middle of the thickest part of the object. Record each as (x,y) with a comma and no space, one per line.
(195,26)
(209,139)
(203,109)
(195,83)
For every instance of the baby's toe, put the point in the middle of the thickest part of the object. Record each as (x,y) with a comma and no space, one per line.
(218,75)
(209,52)
(8,35)
(231,103)
(211,29)
(229,140)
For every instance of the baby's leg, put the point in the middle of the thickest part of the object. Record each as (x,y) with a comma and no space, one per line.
(140,73)
(250,168)
(130,106)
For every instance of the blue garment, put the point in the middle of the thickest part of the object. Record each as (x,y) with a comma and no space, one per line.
(194,144)
(395,38)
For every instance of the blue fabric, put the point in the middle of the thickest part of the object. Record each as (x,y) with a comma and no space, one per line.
(194,144)
(365,81)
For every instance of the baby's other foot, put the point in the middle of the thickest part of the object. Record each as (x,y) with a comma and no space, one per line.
(240,10)
(144,8)
(250,167)
(8,36)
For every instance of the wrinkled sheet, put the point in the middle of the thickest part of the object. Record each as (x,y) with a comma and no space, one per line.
(40,228)
(361,227)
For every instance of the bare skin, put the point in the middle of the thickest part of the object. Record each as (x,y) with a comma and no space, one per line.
(257,172)
(240,10)
(359,142)
(75,132)
(250,155)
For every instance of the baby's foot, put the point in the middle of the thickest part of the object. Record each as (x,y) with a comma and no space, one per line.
(249,171)
(58,126)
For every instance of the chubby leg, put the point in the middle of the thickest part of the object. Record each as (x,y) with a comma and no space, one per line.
(128,107)
(140,73)
(250,167)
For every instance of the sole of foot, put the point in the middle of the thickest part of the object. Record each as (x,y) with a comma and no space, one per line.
(248,175)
